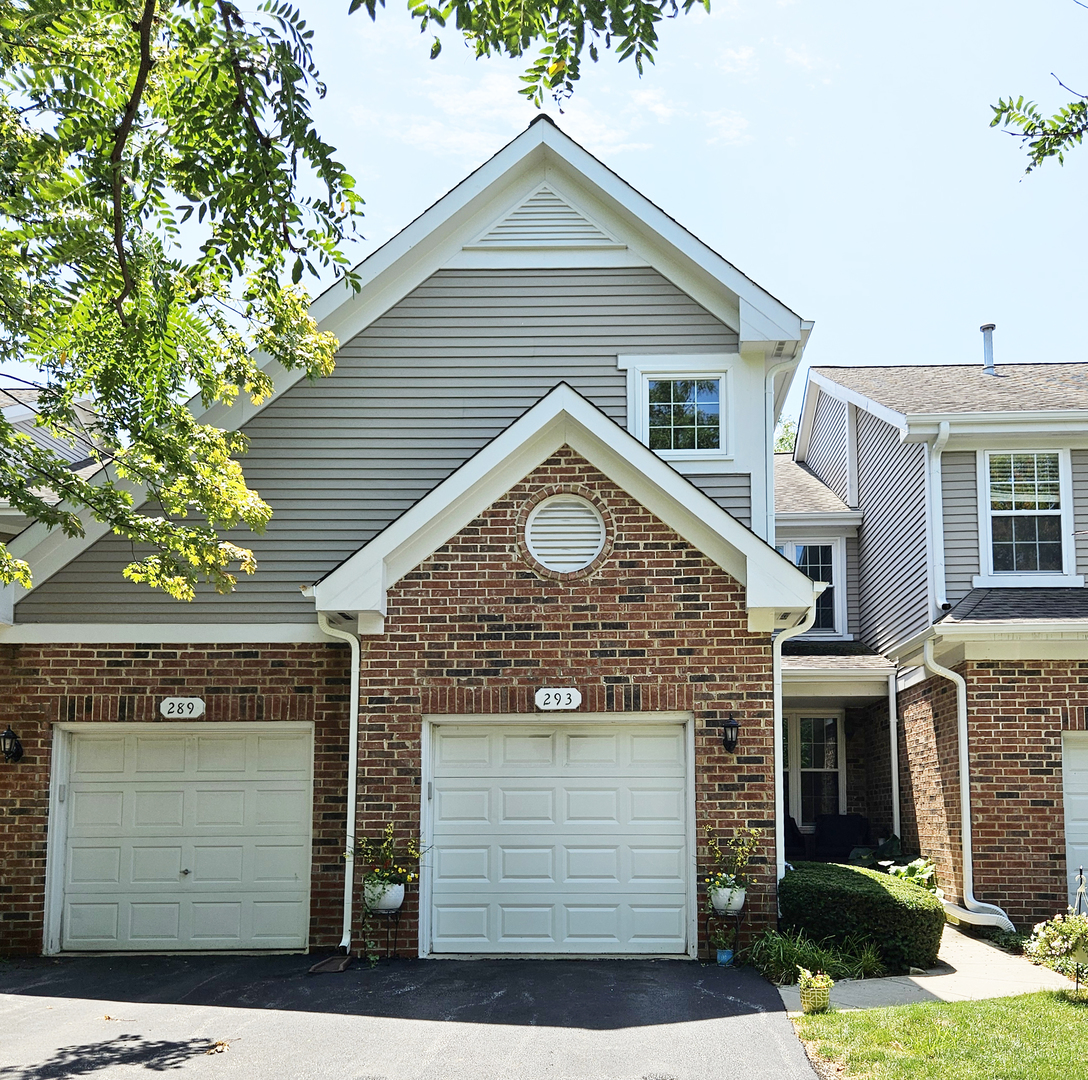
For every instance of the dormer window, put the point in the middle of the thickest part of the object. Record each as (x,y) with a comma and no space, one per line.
(680,406)
(1026,516)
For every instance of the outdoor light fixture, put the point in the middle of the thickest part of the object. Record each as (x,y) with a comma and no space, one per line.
(9,743)
(730,731)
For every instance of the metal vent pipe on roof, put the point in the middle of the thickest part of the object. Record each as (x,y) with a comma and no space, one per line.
(988,348)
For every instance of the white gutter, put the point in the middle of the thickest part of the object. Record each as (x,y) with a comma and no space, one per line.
(353,774)
(768,387)
(776,682)
(936,510)
(973,911)
(893,732)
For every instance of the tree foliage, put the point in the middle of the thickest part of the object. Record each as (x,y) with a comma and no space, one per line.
(1044,136)
(562,29)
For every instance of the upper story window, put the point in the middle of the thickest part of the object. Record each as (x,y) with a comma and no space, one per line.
(822,560)
(1025,514)
(680,406)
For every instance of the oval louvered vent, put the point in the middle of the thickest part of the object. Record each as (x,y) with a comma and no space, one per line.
(565,533)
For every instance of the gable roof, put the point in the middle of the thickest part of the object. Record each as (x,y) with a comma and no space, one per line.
(966,388)
(778,594)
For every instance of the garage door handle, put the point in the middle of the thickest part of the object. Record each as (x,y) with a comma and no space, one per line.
(186,871)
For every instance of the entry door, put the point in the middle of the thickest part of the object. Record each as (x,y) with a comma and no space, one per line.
(187,839)
(560,840)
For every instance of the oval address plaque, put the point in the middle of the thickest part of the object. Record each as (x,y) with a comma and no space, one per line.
(560,697)
(181,707)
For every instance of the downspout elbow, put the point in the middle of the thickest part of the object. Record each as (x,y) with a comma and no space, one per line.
(353,772)
(990,914)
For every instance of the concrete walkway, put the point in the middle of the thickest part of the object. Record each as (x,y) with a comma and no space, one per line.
(969,970)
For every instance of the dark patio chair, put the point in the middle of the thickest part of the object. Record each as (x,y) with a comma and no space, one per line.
(838,834)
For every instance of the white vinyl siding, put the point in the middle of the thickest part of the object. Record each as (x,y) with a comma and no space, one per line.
(828,447)
(555,839)
(959,493)
(413,397)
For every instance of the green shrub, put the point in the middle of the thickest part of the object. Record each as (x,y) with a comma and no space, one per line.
(1052,941)
(827,901)
(777,957)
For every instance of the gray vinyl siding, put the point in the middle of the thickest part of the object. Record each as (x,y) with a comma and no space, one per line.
(892,539)
(731,491)
(853,604)
(959,495)
(413,396)
(827,448)
(1080,507)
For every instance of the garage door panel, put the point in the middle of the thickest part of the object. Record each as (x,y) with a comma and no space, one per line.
(159,755)
(1075,792)
(560,840)
(188,863)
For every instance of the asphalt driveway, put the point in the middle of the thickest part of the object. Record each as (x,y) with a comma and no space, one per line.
(106,1017)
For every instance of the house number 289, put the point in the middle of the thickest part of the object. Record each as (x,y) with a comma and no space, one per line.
(562,697)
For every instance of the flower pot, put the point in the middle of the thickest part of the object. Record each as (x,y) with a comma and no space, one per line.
(731,899)
(725,958)
(382,895)
(815,999)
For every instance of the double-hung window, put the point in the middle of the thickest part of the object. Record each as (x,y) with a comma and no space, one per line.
(822,560)
(814,766)
(1025,518)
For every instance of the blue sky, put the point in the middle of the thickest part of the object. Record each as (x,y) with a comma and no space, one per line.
(837,152)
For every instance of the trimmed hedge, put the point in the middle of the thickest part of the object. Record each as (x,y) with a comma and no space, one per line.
(829,901)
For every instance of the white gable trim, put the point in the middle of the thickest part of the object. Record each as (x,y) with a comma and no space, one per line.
(437,238)
(565,418)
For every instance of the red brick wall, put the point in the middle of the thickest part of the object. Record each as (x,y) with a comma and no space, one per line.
(1017,711)
(653,626)
(42,684)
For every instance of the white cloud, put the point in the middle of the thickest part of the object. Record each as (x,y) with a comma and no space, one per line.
(740,61)
(725,126)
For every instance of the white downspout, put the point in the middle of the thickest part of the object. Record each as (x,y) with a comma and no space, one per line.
(893,732)
(353,773)
(776,682)
(768,389)
(936,500)
(973,911)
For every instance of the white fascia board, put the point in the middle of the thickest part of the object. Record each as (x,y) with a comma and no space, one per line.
(989,631)
(848,519)
(794,674)
(562,418)
(843,393)
(167,633)
(979,428)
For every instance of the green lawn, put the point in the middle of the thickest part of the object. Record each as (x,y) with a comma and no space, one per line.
(1041,1036)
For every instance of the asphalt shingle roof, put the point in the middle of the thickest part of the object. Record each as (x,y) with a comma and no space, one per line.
(961,388)
(801,655)
(799,491)
(1024,606)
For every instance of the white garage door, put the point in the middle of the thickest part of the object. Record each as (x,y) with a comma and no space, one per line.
(1075,791)
(195,838)
(556,839)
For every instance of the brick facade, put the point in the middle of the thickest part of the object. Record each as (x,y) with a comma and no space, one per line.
(655,626)
(1017,712)
(44,684)
(652,625)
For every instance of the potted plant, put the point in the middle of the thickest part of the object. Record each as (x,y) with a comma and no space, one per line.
(388,868)
(723,938)
(815,990)
(727,883)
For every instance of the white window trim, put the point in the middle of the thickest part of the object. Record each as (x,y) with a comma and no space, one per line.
(989,579)
(640,369)
(838,562)
(791,725)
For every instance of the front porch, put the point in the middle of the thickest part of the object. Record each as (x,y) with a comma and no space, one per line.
(839,762)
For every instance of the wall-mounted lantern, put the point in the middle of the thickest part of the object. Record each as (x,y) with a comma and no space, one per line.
(730,732)
(9,743)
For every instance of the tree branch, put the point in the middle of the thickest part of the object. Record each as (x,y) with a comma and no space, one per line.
(124,129)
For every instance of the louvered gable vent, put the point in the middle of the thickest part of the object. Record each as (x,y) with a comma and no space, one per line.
(565,533)
(545,220)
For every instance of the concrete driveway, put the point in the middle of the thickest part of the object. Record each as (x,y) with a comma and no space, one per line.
(106,1017)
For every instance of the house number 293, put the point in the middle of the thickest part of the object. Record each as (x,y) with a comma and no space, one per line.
(562,697)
